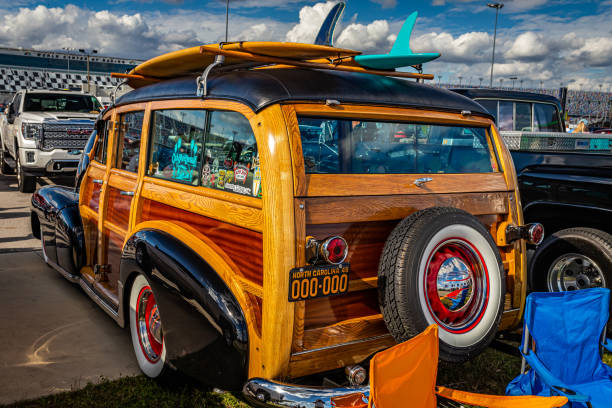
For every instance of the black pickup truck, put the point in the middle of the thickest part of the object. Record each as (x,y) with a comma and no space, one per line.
(565,182)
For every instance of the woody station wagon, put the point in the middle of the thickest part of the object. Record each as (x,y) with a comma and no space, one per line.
(289,221)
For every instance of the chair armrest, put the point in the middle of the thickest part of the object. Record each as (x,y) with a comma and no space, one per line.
(500,401)
(607,344)
(553,382)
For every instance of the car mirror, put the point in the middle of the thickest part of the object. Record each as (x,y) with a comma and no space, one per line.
(10,114)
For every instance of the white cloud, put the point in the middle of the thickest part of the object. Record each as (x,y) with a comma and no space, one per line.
(529,46)
(386,3)
(469,47)
(595,52)
(373,37)
(311,18)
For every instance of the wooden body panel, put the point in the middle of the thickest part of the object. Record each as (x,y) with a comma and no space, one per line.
(243,247)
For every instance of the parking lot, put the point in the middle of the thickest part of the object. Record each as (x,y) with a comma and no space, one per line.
(54,337)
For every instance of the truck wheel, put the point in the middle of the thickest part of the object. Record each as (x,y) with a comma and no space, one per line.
(26,184)
(4,167)
(441,266)
(572,259)
(146,328)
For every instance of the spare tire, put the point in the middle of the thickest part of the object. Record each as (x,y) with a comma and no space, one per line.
(441,266)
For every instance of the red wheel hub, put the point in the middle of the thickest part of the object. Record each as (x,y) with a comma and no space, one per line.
(456,285)
(149,325)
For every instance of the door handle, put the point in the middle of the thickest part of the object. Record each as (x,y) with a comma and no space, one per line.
(420,181)
(126,193)
(97,181)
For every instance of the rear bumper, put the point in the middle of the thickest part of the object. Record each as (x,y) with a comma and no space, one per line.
(266,393)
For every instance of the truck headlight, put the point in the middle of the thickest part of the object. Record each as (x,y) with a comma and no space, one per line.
(31,130)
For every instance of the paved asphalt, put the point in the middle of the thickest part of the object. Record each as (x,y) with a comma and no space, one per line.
(54,338)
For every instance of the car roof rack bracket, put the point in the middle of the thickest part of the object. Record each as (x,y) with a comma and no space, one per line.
(201,81)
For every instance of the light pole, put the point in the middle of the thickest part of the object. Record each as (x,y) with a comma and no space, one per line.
(541,84)
(513,78)
(501,82)
(460,78)
(480,79)
(87,55)
(521,81)
(497,7)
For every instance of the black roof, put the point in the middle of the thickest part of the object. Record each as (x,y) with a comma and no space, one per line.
(490,93)
(264,87)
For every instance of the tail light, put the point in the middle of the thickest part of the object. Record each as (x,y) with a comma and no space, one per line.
(332,250)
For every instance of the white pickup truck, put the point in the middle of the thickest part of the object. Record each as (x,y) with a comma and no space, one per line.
(42,133)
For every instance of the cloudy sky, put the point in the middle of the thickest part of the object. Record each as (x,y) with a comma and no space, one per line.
(557,42)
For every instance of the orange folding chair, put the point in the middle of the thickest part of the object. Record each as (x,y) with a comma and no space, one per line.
(405,376)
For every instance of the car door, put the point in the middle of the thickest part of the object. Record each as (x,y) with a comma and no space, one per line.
(117,197)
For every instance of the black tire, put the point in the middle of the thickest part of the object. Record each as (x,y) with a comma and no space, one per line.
(572,259)
(25,184)
(4,167)
(420,247)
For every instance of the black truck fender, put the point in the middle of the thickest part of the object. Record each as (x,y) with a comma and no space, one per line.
(205,330)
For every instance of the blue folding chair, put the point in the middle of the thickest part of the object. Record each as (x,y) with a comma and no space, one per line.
(563,335)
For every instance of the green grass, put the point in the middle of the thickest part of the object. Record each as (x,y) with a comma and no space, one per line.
(487,373)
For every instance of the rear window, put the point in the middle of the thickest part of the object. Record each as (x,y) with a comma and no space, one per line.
(350,146)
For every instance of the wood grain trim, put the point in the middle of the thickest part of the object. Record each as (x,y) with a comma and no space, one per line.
(390,113)
(246,217)
(388,184)
(95,166)
(204,104)
(349,331)
(122,181)
(330,210)
(300,257)
(279,243)
(131,108)
(363,284)
(208,250)
(87,212)
(295,141)
(306,363)
(242,200)
(249,286)
(114,228)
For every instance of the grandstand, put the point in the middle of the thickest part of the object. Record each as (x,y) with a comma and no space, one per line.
(36,69)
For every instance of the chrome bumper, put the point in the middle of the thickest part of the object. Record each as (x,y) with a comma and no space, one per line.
(266,393)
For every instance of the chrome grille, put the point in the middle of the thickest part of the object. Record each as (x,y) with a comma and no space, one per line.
(65,135)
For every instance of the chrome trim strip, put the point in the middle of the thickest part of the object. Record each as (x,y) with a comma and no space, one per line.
(99,301)
(341,345)
(266,393)
(512,310)
(72,278)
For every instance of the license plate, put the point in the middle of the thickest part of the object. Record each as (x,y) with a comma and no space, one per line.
(310,282)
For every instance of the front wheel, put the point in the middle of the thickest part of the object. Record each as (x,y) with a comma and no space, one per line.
(26,184)
(146,329)
(441,266)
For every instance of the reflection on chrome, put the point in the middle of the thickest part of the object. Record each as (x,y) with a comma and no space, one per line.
(266,393)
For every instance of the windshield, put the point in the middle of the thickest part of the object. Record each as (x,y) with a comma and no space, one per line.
(47,102)
(344,146)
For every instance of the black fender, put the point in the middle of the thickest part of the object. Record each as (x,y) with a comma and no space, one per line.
(205,330)
(55,213)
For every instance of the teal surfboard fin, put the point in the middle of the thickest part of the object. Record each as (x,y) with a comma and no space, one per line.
(326,32)
(400,55)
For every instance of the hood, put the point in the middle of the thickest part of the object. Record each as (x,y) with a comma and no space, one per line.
(46,116)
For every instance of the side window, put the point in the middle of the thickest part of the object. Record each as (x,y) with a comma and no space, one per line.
(128,146)
(506,116)
(100,154)
(231,160)
(16,103)
(546,118)
(177,137)
(522,116)
(490,105)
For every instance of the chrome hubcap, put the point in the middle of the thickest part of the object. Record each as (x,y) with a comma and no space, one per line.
(149,325)
(456,285)
(574,272)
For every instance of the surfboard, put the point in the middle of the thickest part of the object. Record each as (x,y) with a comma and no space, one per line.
(400,55)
